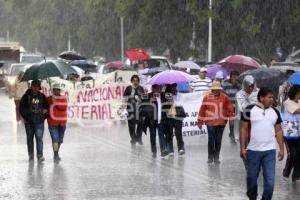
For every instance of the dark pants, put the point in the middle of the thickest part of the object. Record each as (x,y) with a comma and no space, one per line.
(255,161)
(135,130)
(215,134)
(231,130)
(293,159)
(159,128)
(37,131)
(172,124)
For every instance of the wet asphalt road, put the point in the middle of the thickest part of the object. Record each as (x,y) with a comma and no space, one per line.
(99,163)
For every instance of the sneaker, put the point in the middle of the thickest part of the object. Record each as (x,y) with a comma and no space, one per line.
(140,143)
(232,139)
(181,152)
(217,161)
(31,158)
(56,158)
(164,153)
(210,161)
(286,179)
(41,159)
(171,154)
(154,155)
(297,182)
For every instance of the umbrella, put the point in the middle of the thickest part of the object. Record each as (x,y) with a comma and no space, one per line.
(294,79)
(137,54)
(47,69)
(154,70)
(170,77)
(265,77)
(71,55)
(239,63)
(294,57)
(212,70)
(284,66)
(116,65)
(84,65)
(187,64)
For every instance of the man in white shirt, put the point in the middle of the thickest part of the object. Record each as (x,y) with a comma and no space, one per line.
(201,83)
(265,122)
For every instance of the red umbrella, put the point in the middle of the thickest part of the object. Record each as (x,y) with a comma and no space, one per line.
(116,65)
(239,62)
(137,54)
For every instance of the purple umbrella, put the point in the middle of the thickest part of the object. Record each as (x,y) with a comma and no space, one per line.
(212,71)
(170,77)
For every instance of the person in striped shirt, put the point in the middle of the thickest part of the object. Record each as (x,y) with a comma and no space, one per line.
(201,83)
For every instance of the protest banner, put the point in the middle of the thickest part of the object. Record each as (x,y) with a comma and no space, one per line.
(191,103)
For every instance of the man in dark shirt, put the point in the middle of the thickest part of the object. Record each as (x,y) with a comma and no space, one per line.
(132,96)
(34,110)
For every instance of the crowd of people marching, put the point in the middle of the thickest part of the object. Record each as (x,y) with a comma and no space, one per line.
(253,110)
(155,108)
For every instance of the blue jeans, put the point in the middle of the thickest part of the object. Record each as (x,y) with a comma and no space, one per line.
(265,160)
(57,134)
(37,131)
(215,134)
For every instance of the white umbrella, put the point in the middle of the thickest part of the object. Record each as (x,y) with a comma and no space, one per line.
(187,64)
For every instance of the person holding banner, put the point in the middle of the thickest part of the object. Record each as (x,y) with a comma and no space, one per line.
(291,133)
(132,97)
(215,110)
(57,119)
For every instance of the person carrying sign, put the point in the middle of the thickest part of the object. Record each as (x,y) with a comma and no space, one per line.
(215,110)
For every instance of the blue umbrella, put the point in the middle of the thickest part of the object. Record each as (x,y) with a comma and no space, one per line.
(294,79)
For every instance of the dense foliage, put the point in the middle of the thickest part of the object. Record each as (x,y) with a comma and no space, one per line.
(251,27)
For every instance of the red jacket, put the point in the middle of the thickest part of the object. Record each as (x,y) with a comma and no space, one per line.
(215,110)
(57,111)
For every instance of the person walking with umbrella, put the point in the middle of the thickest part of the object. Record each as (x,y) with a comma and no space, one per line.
(215,110)
(151,110)
(174,115)
(132,97)
(292,107)
(248,94)
(34,110)
(245,97)
(57,119)
(231,88)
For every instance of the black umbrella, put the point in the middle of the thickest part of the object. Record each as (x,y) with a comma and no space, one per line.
(266,77)
(84,65)
(47,69)
(71,55)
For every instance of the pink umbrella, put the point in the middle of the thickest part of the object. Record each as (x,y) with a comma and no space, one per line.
(116,65)
(240,63)
(170,77)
